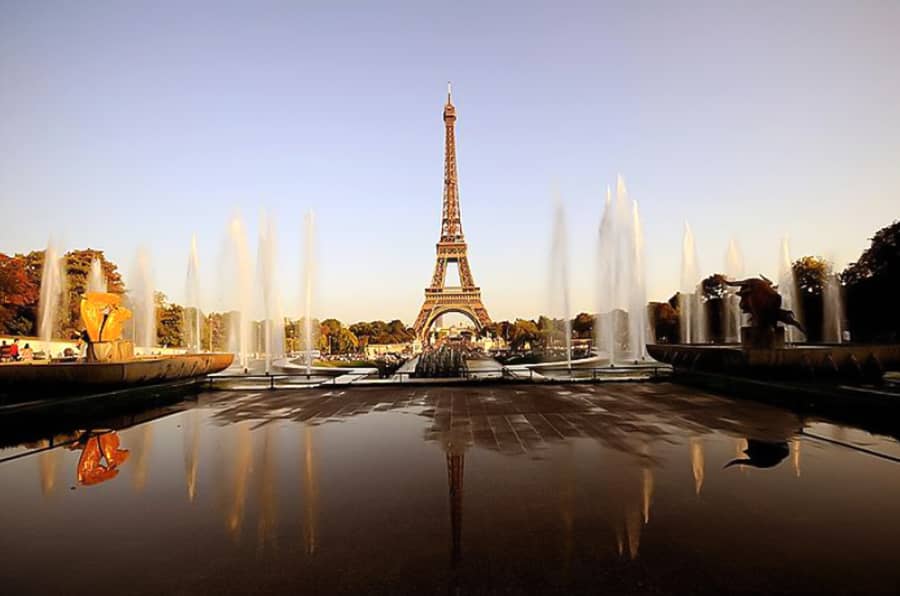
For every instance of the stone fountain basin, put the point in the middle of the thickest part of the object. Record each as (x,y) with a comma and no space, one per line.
(843,362)
(20,379)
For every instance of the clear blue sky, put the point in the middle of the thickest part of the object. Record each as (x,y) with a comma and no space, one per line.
(140,123)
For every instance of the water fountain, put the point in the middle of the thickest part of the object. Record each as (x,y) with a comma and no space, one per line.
(309,272)
(96,277)
(734,270)
(143,299)
(52,280)
(240,292)
(690,300)
(193,314)
(620,279)
(833,310)
(787,287)
(273,334)
(559,276)
(109,361)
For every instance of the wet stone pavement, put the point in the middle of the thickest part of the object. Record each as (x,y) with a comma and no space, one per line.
(621,488)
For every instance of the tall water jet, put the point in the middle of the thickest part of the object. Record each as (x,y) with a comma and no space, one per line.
(96,277)
(734,270)
(692,317)
(620,280)
(787,287)
(144,302)
(309,272)
(51,293)
(559,276)
(832,310)
(241,293)
(193,314)
(638,319)
(273,335)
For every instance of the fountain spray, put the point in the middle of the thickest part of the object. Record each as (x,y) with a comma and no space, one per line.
(144,302)
(52,277)
(559,276)
(273,335)
(833,310)
(96,277)
(193,298)
(734,270)
(692,321)
(239,334)
(621,280)
(787,287)
(308,275)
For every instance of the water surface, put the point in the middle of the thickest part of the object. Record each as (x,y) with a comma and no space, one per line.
(506,489)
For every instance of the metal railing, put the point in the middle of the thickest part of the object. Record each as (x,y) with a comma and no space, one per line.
(505,374)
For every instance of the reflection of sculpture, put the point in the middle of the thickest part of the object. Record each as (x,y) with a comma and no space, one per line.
(761,300)
(100,457)
(762,454)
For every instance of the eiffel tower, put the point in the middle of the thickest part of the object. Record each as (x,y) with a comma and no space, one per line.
(439,298)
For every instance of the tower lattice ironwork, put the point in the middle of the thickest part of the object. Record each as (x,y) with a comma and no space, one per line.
(440,298)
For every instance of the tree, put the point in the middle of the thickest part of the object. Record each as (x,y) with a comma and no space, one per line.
(346,341)
(213,337)
(169,322)
(715,290)
(873,287)
(583,325)
(19,296)
(811,274)
(664,319)
(522,332)
(335,338)
(379,332)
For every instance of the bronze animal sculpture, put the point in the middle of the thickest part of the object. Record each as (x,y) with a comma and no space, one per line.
(761,300)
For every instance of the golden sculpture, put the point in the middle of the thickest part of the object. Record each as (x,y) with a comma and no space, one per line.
(104,317)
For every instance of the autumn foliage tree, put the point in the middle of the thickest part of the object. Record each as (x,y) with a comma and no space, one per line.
(19,296)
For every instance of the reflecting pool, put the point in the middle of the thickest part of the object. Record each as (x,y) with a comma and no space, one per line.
(647,488)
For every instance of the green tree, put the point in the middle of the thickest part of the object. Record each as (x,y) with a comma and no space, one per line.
(873,288)
(583,325)
(524,331)
(213,334)
(664,319)
(715,289)
(811,274)
(169,322)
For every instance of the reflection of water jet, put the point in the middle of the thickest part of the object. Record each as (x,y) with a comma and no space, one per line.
(310,493)
(697,463)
